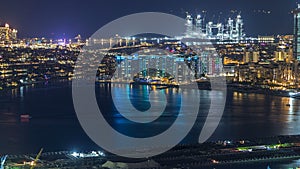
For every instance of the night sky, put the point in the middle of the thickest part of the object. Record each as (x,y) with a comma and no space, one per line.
(67,18)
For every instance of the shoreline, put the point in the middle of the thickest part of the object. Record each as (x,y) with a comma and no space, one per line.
(235,87)
(208,154)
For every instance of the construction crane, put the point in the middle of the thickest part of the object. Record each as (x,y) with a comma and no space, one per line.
(3,159)
(36,159)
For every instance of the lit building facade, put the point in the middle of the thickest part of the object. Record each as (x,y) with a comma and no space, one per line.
(129,66)
(280,73)
(7,34)
(266,39)
(297,33)
(251,56)
(283,55)
(182,69)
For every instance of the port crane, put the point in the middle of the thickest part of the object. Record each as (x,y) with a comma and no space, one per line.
(36,159)
(3,159)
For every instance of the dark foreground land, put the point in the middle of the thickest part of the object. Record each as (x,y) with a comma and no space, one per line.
(206,155)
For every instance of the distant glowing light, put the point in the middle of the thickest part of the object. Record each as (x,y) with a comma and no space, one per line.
(101,153)
(62,42)
(75,154)
(292,93)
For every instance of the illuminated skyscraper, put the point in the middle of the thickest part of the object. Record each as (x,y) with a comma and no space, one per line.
(233,30)
(297,33)
(199,24)
(239,27)
(230,28)
(189,25)
(251,56)
(6,33)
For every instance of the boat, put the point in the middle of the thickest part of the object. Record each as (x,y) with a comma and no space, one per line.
(162,87)
(295,95)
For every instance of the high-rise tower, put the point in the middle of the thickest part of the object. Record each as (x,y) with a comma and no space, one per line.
(230,28)
(199,24)
(239,27)
(6,33)
(297,33)
(189,25)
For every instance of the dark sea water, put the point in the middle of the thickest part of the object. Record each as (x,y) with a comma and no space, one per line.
(55,127)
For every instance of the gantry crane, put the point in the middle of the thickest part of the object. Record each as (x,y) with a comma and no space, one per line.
(36,159)
(3,159)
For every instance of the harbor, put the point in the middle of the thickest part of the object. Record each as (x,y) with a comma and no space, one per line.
(207,155)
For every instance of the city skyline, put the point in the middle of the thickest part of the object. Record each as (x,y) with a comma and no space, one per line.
(66,20)
(150,84)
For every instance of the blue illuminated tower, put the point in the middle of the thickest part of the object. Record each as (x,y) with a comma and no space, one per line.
(239,27)
(189,25)
(199,24)
(297,33)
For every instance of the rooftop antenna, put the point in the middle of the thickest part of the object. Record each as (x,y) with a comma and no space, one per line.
(186,14)
(219,17)
(196,11)
(213,18)
(229,15)
(204,17)
(182,11)
(204,14)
